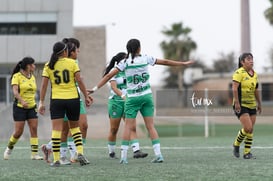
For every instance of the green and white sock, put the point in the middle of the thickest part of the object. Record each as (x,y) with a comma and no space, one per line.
(111,146)
(63,149)
(135,145)
(156,146)
(71,147)
(124,149)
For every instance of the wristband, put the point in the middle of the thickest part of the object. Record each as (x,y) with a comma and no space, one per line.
(95,88)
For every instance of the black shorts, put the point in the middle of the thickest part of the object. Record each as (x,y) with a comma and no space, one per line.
(21,114)
(60,107)
(245,110)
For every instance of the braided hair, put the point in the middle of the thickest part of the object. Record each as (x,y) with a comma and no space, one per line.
(132,46)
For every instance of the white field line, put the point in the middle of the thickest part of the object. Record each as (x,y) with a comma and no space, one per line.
(162,147)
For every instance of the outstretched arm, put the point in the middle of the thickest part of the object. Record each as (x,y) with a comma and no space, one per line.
(104,80)
(173,63)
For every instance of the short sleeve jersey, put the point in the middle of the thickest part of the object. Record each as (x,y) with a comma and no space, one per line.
(247,87)
(27,89)
(137,74)
(121,84)
(62,79)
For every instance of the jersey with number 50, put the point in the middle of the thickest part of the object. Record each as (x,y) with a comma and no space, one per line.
(62,79)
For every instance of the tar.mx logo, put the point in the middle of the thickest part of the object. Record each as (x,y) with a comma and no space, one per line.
(200,101)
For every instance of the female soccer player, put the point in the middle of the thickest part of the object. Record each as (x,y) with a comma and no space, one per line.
(246,103)
(139,94)
(63,72)
(24,108)
(66,138)
(116,109)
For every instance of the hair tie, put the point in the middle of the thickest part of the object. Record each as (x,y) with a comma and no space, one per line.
(61,50)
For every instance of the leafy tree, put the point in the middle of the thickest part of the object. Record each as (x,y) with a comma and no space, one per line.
(268,13)
(225,63)
(179,47)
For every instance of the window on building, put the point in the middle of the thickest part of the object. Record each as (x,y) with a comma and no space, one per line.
(5,94)
(27,28)
(3,89)
(267,91)
(28,23)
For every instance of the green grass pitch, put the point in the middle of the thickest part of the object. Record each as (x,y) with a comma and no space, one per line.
(186,158)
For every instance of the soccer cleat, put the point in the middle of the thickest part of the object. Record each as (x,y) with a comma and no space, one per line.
(36,157)
(113,155)
(82,159)
(249,156)
(236,151)
(123,161)
(140,154)
(46,153)
(158,159)
(7,153)
(55,164)
(64,161)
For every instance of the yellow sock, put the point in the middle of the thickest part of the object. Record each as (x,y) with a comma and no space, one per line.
(77,137)
(248,142)
(56,144)
(12,142)
(240,137)
(34,145)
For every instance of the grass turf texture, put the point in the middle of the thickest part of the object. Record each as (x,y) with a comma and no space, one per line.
(186,158)
(194,130)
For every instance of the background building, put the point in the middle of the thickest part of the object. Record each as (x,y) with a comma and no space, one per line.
(30,28)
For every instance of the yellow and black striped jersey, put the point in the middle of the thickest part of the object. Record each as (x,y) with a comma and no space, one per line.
(62,78)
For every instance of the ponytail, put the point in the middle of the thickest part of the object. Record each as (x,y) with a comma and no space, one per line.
(22,64)
(133,46)
(58,49)
(115,60)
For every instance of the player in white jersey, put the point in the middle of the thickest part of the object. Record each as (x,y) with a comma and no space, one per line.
(116,109)
(139,94)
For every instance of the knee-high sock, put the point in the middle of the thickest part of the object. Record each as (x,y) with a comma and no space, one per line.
(63,149)
(12,142)
(124,148)
(34,145)
(56,143)
(77,137)
(135,145)
(240,137)
(156,146)
(71,147)
(111,146)
(248,142)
